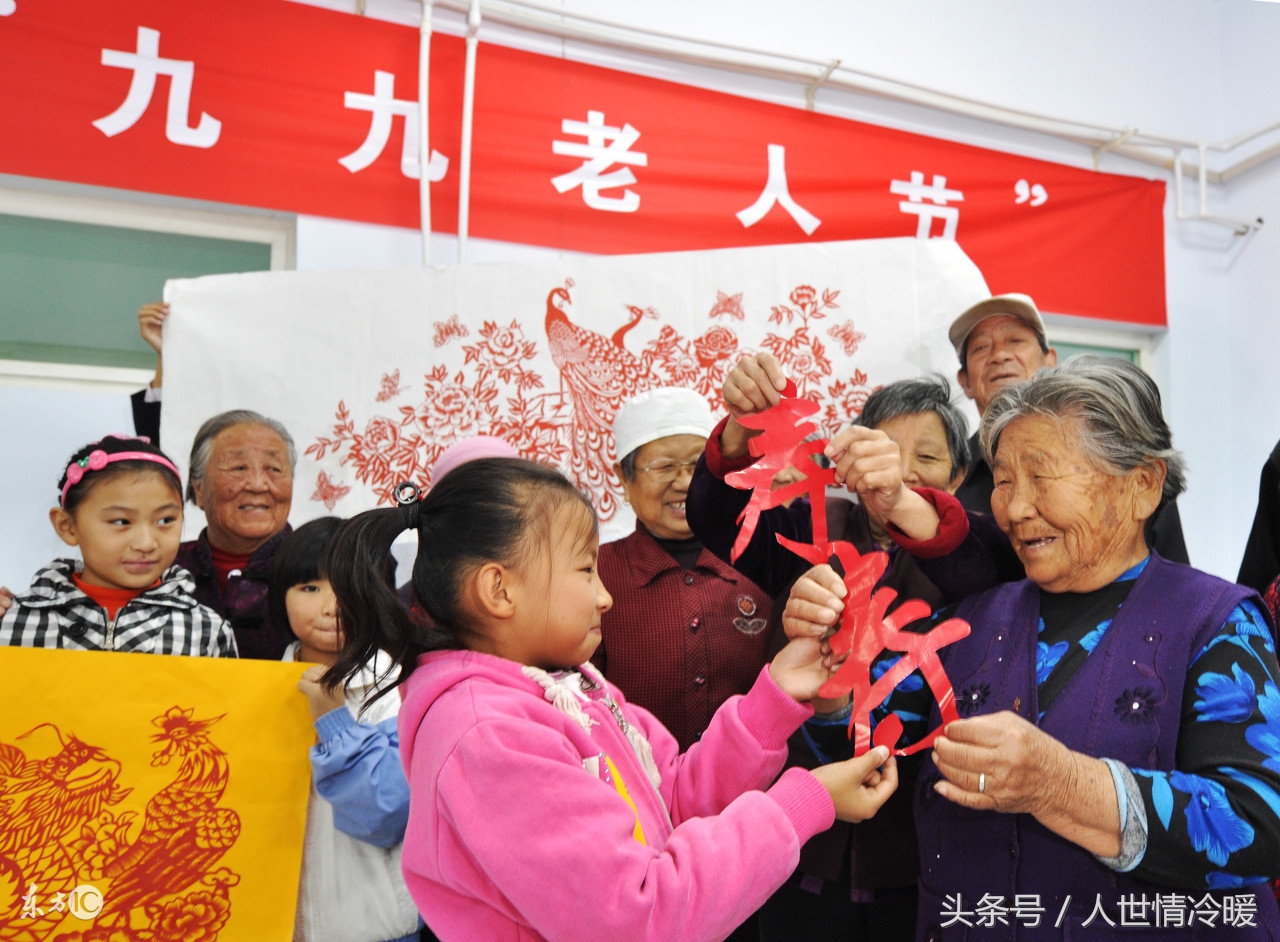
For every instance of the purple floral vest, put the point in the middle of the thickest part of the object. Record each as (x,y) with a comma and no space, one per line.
(1143,659)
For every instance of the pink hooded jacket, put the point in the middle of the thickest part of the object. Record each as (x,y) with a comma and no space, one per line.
(524,825)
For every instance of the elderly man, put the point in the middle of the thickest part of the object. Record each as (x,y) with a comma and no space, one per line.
(242,478)
(1001,342)
(686,630)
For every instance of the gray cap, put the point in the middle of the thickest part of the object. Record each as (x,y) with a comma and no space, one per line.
(1015,305)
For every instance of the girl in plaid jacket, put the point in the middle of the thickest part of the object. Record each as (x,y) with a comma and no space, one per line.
(120,502)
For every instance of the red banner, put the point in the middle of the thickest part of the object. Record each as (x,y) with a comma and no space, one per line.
(285,106)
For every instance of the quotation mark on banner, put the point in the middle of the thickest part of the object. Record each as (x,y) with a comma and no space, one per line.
(1037,194)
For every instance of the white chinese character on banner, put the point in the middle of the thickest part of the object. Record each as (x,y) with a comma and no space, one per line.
(777,191)
(597,158)
(146,65)
(938,196)
(384,106)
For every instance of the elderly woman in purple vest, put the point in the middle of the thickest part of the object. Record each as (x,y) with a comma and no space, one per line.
(1117,763)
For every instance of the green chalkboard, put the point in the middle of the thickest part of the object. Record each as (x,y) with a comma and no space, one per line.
(70,292)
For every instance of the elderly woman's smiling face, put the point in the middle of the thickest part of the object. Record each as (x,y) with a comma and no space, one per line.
(247,488)
(1075,526)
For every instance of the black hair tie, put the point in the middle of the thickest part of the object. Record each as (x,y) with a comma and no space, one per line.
(409,500)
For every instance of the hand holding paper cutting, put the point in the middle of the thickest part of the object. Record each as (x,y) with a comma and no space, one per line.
(860,786)
(755,383)
(801,668)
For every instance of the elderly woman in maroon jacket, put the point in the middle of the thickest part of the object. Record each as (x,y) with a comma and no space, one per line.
(1118,763)
(686,630)
(242,478)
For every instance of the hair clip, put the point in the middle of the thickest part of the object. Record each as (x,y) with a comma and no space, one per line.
(98,459)
(409,499)
(406,492)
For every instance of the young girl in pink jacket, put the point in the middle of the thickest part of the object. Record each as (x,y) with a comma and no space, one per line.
(543,806)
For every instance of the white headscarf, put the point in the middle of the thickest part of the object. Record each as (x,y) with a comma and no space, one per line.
(660,413)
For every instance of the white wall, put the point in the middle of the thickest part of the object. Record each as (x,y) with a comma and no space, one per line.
(1251,73)
(1192,68)
(42,429)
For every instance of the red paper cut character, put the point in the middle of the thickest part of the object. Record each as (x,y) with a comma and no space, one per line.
(782,444)
(867,628)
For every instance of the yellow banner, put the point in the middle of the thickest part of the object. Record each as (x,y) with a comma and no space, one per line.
(147,798)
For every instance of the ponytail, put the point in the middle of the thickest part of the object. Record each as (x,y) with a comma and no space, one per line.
(361,571)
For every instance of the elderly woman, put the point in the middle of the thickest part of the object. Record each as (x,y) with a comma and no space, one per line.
(686,631)
(855,881)
(242,478)
(1121,739)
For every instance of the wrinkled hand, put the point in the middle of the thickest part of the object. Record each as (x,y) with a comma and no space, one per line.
(860,786)
(754,384)
(151,319)
(800,669)
(869,464)
(1022,763)
(815,604)
(322,701)
(6,599)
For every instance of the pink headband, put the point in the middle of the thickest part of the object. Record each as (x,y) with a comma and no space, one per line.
(98,459)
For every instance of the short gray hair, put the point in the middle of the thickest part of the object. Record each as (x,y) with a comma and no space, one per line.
(1116,407)
(202,447)
(628,465)
(930,393)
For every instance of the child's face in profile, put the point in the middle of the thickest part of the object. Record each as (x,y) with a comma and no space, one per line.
(128,529)
(313,616)
(561,597)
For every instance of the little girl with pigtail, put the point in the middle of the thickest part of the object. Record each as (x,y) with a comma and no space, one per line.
(120,504)
(543,806)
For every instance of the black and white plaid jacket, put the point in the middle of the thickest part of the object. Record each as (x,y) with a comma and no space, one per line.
(166,619)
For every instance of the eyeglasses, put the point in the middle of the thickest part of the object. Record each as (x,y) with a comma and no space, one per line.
(664,472)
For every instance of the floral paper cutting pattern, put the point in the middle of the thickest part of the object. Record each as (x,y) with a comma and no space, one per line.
(565,417)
